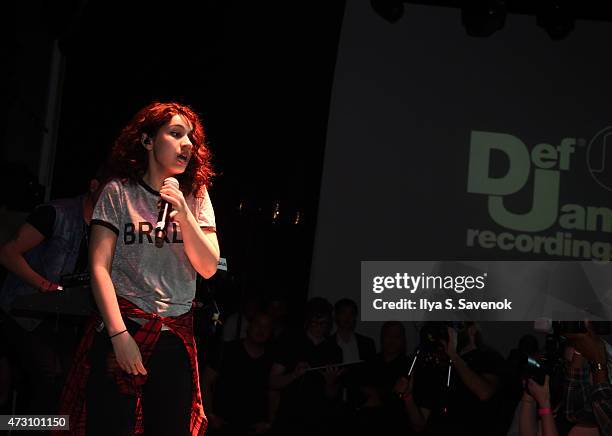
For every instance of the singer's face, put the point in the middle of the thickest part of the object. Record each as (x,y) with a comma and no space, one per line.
(171,148)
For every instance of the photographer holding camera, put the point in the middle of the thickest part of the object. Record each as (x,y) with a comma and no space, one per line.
(536,401)
(588,389)
(456,394)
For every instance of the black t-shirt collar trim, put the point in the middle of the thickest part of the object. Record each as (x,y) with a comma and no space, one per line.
(148,188)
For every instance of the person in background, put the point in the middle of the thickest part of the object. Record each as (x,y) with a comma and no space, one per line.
(53,241)
(355,347)
(277,307)
(392,362)
(536,402)
(304,400)
(381,374)
(236,325)
(467,405)
(236,393)
(588,391)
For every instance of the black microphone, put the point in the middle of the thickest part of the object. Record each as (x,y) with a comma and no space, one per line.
(163,218)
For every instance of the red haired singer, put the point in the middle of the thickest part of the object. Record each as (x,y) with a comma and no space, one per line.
(137,370)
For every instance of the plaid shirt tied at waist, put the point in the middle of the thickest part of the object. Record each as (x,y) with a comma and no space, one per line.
(74,394)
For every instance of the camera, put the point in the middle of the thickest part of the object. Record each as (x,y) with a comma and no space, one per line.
(431,336)
(434,332)
(535,369)
(550,363)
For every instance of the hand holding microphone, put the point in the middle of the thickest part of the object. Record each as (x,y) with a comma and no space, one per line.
(172,206)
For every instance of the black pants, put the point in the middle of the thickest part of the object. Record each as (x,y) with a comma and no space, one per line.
(166,396)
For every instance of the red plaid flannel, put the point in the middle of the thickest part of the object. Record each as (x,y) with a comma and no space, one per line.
(73,396)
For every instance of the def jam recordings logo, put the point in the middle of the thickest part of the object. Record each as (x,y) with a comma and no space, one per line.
(599,158)
(533,176)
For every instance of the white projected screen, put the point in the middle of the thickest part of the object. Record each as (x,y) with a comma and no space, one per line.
(405,175)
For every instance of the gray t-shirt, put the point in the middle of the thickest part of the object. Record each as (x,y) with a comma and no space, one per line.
(157,280)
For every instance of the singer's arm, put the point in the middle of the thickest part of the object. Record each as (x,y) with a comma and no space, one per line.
(201,246)
(101,251)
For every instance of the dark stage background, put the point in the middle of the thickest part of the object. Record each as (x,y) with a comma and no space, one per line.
(259,73)
(406,97)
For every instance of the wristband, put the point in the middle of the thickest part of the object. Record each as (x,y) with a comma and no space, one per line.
(117,334)
(597,366)
(544,411)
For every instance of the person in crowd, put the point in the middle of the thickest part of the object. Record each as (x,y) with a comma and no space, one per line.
(456,396)
(355,348)
(531,369)
(304,381)
(136,367)
(381,374)
(513,389)
(391,363)
(373,416)
(588,390)
(276,306)
(536,403)
(236,325)
(236,386)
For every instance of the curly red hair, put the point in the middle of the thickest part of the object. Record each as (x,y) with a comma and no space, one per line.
(129,160)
